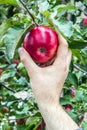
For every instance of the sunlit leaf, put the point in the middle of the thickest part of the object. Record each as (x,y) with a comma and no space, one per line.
(14,38)
(12,2)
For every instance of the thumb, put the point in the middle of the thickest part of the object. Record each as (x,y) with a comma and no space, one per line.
(28,62)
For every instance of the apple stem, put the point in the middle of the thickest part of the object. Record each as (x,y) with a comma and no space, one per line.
(31,15)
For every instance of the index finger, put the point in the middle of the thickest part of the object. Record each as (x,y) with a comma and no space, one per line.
(62,49)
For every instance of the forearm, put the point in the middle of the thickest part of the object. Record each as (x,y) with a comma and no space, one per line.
(56,118)
(44,82)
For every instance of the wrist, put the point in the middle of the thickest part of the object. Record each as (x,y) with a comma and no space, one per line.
(46,106)
(54,114)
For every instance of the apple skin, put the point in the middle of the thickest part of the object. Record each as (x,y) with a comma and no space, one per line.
(41,43)
(16,61)
(68,107)
(73,93)
(1,70)
(85,21)
(20,121)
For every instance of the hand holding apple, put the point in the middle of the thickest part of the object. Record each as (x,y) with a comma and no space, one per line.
(47,82)
(41,43)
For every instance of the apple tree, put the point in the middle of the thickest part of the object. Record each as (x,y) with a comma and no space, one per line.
(18,107)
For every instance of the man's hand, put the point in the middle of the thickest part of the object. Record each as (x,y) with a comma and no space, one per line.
(47,82)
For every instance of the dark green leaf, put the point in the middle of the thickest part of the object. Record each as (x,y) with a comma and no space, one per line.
(73,79)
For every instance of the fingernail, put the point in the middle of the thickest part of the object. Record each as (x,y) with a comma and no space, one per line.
(20,50)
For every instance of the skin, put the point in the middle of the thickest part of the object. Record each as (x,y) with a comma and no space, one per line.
(47,84)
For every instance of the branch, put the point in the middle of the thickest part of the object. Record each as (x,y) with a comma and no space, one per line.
(28,12)
(6,86)
(80,69)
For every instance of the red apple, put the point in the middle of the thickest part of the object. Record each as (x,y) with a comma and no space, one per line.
(41,43)
(21,121)
(1,70)
(85,21)
(73,93)
(68,107)
(16,61)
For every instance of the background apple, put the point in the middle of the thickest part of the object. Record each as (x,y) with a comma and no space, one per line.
(20,121)
(41,43)
(68,107)
(85,21)
(16,61)
(1,70)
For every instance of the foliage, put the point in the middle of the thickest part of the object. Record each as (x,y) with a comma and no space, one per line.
(21,111)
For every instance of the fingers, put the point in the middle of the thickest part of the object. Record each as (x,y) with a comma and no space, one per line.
(29,64)
(62,49)
(69,59)
(65,65)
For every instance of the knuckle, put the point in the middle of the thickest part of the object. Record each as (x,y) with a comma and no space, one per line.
(64,67)
(23,58)
(65,44)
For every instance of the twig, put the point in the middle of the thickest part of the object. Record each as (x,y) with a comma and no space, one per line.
(6,86)
(28,12)
(80,69)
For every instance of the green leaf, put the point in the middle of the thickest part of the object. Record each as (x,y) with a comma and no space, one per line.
(22,81)
(10,38)
(21,127)
(5,125)
(3,66)
(3,28)
(7,74)
(73,79)
(14,38)
(85,1)
(62,9)
(78,40)
(84,125)
(77,43)
(63,26)
(43,5)
(66,100)
(76,37)
(12,2)
(80,95)
(32,123)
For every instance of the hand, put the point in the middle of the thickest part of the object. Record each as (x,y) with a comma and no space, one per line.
(47,82)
